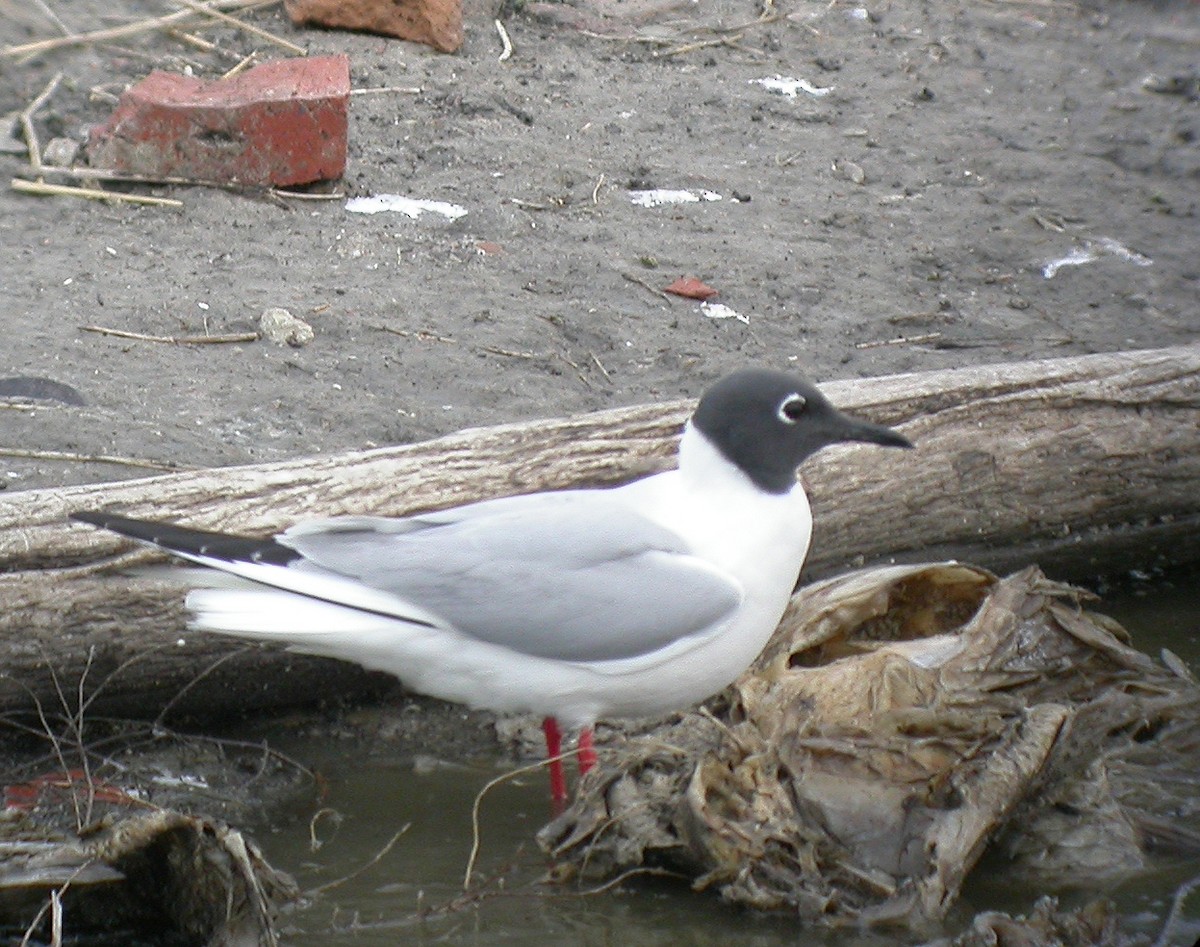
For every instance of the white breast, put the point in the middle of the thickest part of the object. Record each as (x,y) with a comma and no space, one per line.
(760,539)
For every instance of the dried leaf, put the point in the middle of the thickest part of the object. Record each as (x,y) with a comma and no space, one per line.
(690,288)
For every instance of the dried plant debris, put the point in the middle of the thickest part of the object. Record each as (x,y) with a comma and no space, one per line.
(1093,924)
(101,840)
(901,721)
(158,877)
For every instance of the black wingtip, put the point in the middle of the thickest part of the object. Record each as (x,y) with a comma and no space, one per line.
(125,525)
(191,542)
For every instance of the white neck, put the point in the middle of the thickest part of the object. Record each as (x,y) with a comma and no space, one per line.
(701,463)
(708,499)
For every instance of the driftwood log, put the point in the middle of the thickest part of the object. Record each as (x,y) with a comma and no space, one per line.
(1087,465)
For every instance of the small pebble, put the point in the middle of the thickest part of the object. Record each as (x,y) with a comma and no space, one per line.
(850,172)
(60,152)
(282,328)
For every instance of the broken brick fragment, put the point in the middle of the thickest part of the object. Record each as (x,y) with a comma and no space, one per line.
(281,123)
(437,23)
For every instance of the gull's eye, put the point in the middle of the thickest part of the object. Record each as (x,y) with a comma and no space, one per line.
(791,408)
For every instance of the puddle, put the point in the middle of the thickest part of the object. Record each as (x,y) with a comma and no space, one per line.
(414,893)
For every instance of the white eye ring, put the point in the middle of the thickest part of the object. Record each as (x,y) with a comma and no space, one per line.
(791,408)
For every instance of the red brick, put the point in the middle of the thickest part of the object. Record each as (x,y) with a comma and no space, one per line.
(280,123)
(438,23)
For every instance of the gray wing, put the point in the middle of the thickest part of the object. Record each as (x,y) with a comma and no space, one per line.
(568,576)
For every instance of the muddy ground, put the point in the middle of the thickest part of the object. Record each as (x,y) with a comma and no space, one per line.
(964,146)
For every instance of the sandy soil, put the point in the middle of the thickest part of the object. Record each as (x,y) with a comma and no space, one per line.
(964,146)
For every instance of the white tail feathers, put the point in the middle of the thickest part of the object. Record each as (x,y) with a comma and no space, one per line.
(311,585)
(270,615)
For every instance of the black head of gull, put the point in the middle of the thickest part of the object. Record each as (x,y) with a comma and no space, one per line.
(767,423)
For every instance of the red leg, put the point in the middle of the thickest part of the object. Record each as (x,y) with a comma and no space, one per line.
(558,780)
(587,752)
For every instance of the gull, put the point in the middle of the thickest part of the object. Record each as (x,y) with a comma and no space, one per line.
(575,605)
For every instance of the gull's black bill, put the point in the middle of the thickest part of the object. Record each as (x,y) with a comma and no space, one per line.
(868,433)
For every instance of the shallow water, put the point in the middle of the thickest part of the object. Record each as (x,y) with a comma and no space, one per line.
(413,893)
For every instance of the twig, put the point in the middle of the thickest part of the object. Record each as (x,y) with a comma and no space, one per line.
(578,371)
(488,787)
(742,47)
(530,205)
(507,352)
(599,365)
(120,177)
(76,724)
(156,59)
(315,844)
(699,44)
(380,90)
(53,17)
(42,189)
(27,939)
(596,189)
(642,283)
(55,742)
(421,334)
(129,29)
(731,34)
(199,42)
(56,918)
(730,734)
(100,94)
(107,174)
(54,906)
(508,47)
(179,694)
(625,875)
(208,10)
(31,139)
(379,855)
(240,66)
(652,40)
(1181,894)
(302,196)
(225,742)
(899,340)
(85,458)
(762,20)
(175,339)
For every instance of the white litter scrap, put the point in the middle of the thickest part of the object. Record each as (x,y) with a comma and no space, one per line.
(721,311)
(789,87)
(1093,250)
(410,206)
(661,196)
